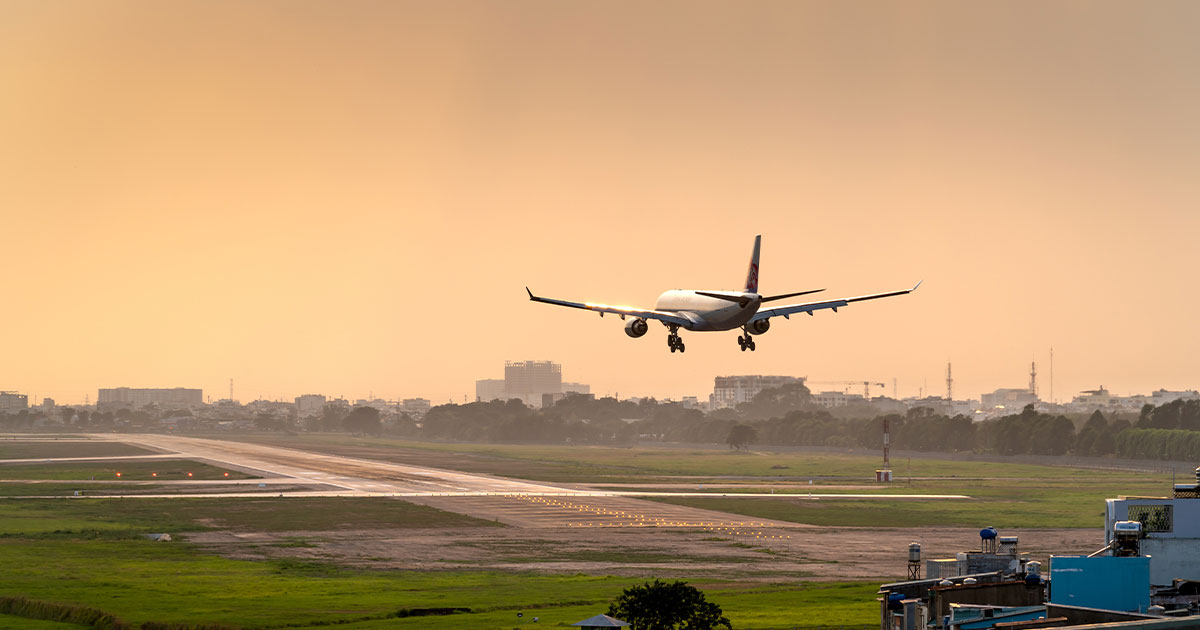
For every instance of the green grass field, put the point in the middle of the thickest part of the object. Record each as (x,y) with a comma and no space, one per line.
(1002,494)
(63,517)
(601,464)
(139,581)
(10,622)
(12,449)
(69,488)
(136,470)
(89,552)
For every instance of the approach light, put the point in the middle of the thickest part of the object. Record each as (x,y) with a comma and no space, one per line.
(226,474)
(189,474)
(153,474)
(118,474)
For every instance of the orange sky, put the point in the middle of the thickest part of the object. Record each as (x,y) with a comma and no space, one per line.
(349,197)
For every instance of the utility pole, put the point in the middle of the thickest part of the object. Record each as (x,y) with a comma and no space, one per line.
(1052,376)
(231,390)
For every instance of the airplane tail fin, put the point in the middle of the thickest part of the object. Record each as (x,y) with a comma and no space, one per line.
(752,274)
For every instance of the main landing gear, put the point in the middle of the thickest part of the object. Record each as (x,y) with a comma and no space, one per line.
(747,342)
(674,341)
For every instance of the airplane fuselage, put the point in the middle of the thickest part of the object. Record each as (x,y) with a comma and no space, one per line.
(709,313)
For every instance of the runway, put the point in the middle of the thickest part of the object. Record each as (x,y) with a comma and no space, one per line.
(366,477)
(287,472)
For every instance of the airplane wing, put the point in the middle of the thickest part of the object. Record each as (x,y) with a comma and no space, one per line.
(790,309)
(622,311)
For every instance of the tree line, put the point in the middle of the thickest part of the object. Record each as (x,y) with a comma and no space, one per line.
(778,416)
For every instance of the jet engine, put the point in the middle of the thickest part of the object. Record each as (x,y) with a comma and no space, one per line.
(761,326)
(636,328)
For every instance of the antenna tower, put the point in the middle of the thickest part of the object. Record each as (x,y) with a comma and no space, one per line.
(230,390)
(949,383)
(1033,379)
(894,393)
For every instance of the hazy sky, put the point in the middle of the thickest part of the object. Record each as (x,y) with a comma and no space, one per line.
(348,197)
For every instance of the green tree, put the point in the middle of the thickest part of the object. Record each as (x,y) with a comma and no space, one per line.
(658,605)
(331,417)
(266,422)
(1096,422)
(363,420)
(774,402)
(741,436)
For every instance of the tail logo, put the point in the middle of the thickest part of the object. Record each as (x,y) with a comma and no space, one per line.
(752,278)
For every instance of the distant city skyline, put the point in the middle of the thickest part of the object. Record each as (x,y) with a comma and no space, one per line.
(816,385)
(351,198)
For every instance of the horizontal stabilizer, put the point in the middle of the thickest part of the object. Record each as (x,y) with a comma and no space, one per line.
(788,295)
(740,299)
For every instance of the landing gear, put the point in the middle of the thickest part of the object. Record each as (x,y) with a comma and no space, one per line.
(674,341)
(746,343)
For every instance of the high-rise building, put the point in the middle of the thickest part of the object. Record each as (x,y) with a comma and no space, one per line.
(731,391)
(535,383)
(309,405)
(12,401)
(522,378)
(141,397)
(489,389)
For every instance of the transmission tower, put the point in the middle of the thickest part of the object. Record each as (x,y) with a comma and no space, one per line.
(1033,379)
(949,383)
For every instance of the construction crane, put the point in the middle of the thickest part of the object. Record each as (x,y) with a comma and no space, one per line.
(866,385)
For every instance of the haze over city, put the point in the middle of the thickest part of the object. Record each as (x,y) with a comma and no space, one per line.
(351,197)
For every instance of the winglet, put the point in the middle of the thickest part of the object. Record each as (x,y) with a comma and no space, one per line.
(529,292)
(917,285)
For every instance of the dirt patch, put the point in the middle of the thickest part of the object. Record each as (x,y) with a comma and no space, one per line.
(816,553)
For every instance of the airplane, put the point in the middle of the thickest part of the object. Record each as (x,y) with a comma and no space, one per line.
(716,310)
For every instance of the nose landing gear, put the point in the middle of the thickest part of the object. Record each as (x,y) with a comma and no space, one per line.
(746,343)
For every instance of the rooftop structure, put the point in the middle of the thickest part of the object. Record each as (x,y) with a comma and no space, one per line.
(1093,398)
(1169,531)
(1146,576)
